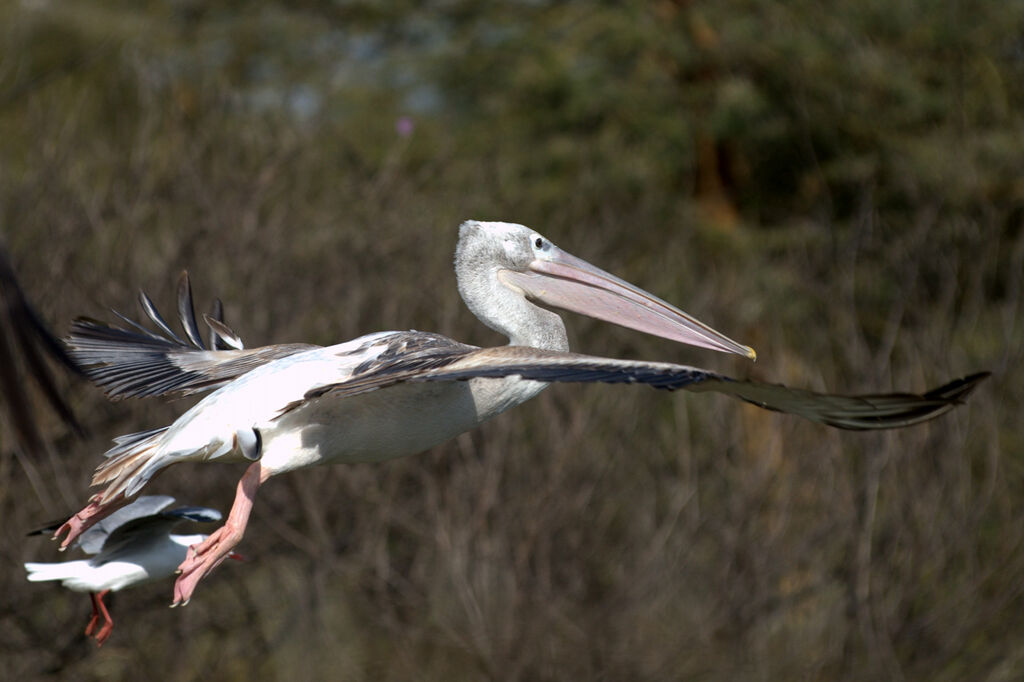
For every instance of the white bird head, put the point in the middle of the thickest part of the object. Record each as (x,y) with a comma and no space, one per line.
(529,264)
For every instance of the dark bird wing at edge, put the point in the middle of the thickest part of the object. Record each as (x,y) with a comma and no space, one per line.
(460,363)
(138,362)
(25,339)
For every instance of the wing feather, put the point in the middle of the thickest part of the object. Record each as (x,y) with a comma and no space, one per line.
(126,538)
(138,362)
(221,336)
(153,314)
(405,355)
(96,538)
(187,312)
(858,412)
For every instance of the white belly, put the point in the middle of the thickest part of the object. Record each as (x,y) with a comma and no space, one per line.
(400,420)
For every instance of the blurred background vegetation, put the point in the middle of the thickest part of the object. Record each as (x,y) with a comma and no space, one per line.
(839,184)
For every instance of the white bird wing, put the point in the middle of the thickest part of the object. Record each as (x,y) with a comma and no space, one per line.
(94,540)
(858,412)
(91,541)
(137,534)
(138,362)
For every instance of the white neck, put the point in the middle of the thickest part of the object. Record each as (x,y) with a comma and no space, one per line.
(505,311)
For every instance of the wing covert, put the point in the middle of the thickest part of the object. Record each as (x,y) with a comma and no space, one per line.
(133,361)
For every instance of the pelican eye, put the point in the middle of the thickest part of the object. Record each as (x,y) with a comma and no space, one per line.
(539,243)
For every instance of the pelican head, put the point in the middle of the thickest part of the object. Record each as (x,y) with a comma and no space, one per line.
(493,259)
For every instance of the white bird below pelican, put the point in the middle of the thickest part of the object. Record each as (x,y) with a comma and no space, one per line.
(133,545)
(391,394)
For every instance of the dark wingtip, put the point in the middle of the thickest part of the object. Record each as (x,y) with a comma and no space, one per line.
(943,399)
(49,528)
(956,391)
(196,514)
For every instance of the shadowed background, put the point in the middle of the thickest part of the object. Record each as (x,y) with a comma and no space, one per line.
(838,185)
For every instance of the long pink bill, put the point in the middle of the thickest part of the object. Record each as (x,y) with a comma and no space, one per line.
(562,280)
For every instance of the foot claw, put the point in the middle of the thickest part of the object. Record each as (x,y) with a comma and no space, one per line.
(201,560)
(204,557)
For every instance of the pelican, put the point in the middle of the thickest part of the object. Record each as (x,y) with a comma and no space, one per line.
(133,545)
(391,394)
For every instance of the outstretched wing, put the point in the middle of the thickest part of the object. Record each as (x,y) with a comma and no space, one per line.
(856,412)
(98,536)
(130,536)
(882,411)
(138,362)
(92,541)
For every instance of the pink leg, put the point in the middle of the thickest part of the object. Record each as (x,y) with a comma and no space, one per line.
(208,554)
(81,521)
(98,607)
(95,614)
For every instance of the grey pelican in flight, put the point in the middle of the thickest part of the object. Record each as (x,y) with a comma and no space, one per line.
(391,394)
(133,545)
